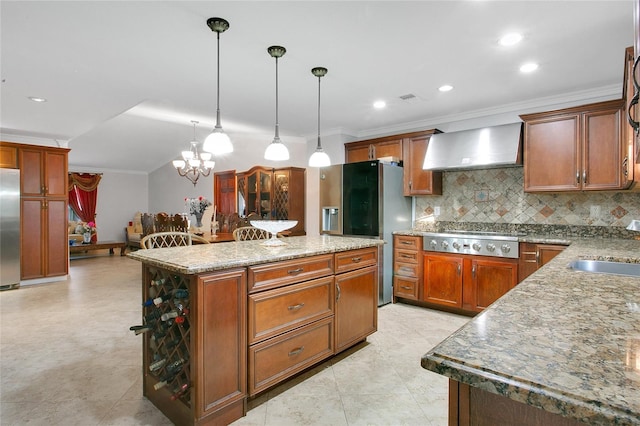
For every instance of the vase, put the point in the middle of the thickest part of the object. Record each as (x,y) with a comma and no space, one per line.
(198,219)
(86,238)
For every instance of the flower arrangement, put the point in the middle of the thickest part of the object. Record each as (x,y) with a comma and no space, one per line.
(197,205)
(89,227)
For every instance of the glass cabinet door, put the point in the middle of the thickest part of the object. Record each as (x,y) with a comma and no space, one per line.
(281,195)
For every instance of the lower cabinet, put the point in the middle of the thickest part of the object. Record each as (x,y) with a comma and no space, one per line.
(407,267)
(356,306)
(443,280)
(535,256)
(470,283)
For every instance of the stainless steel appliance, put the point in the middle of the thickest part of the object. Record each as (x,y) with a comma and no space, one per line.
(472,242)
(9,228)
(365,200)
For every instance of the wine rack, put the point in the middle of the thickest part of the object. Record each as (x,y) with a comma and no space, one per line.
(166,313)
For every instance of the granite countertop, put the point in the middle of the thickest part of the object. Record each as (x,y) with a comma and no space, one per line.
(562,340)
(200,258)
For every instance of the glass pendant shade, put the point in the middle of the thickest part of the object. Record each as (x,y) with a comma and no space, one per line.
(276,151)
(319,158)
(218,142)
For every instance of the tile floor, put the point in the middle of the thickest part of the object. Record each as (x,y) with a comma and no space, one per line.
(67,357)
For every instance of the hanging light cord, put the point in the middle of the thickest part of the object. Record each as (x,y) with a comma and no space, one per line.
(277,136)
(319,146)
(218,126)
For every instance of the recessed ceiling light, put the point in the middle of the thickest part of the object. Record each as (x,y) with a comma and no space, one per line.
(445,88)
(379,104)
(510,39)
(529,67)
(36,99)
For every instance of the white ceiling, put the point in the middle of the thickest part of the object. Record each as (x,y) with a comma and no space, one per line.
(123,79)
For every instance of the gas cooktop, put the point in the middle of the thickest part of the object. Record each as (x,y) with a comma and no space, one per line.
(482,243)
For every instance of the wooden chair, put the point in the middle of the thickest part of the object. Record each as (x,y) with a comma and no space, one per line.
(197,239)
(250,233)
(179,223)
(166,239)
(147,224)
(162,222)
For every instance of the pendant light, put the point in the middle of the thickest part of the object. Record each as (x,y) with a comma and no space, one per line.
(194,165)
(276,151)
(319,158)
(218,141)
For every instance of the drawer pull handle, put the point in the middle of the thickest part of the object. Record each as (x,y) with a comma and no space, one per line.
(406,287)
(295,271)
(295,307)
(406,256)
(409,243)
(356,259)
(296,351)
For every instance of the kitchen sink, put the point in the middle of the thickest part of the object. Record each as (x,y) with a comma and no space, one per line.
(606,267)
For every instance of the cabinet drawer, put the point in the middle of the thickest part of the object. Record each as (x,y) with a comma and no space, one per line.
(272,275)
(356,259)
(276,359)
(406,269)
(406,256)
(276,311)
(406,287)
(407,242)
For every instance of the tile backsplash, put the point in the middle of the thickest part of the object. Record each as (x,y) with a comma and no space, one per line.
(497,196)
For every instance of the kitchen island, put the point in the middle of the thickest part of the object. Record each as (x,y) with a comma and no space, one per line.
(561,348)
(224,322)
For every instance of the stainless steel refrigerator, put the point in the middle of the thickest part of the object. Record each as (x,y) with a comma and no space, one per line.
(9,228)
(365,200)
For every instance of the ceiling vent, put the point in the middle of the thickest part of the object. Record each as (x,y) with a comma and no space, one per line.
(408,97)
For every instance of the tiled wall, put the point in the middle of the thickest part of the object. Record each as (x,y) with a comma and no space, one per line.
(497,196)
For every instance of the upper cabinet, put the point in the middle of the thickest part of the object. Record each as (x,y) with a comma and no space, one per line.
(273,194)
(390,146)
(410,148)
(44,172)
(581,148)
(416,180)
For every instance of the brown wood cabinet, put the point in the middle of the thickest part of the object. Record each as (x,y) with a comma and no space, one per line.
(208,346)
(469,405)
(416,180)
(443,280)
(534,256)
(470,283)
(305,310)
(577,149)
(277,194)
(8,156)
(410,148)
(389,146)
(44,250)
(224,191)
(407,267)
(489,280)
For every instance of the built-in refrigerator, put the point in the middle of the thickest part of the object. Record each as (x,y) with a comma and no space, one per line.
(366,200)
(9,228)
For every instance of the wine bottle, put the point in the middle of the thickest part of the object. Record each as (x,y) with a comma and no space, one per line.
(139,329)
(160,281)
(179,392)
(181,293)
(161,299)
(169,315)
(157,364)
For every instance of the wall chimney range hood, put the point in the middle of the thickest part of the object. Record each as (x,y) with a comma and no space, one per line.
(484,148)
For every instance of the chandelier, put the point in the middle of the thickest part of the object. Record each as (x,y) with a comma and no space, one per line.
(193,165)
(218,141)
(319,158)
(276,150)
